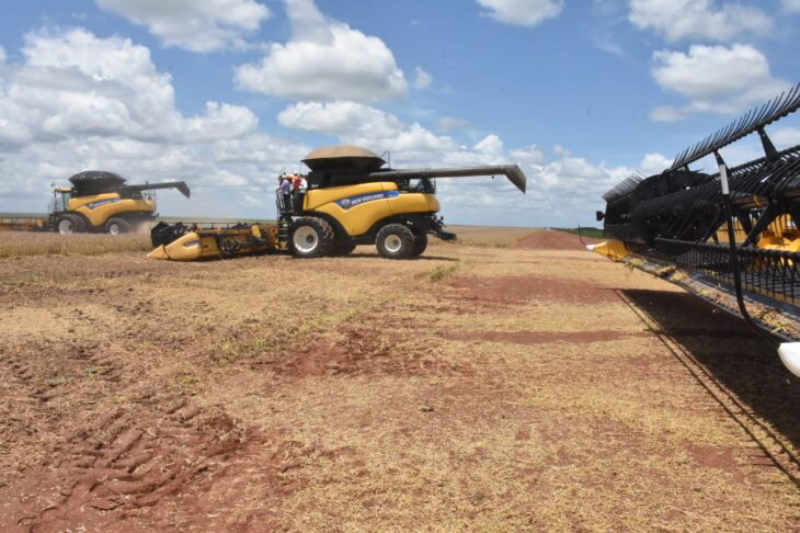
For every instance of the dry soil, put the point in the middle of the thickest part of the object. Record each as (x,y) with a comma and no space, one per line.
(528,388)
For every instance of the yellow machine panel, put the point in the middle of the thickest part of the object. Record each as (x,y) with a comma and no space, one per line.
(220,242)
(100,207)
(356,207)
(359,207)
(613,249)
(414,202)
(187,248)
(318,197)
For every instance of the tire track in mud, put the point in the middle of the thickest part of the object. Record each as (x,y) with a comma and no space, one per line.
(36,381)
(148,463)
(15,427)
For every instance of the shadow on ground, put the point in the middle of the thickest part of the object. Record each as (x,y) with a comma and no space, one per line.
(733,355)
(362,255)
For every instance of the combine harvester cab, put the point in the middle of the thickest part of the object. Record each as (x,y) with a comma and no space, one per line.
(351,199)
(731,237)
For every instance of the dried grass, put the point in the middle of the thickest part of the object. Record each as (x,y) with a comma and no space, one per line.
(485,237)
(22,244)
(425,433)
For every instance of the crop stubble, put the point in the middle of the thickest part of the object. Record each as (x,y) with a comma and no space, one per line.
(514,391)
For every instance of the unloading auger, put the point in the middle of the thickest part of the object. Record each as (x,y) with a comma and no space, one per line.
(737,230)
(351,199)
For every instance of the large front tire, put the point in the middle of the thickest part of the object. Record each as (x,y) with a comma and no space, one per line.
(311,237)
(70,223)
(395,241)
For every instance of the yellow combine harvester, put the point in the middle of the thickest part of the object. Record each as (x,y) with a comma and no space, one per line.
(98,202)
(350,200)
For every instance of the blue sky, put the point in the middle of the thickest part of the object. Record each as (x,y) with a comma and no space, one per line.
(226,93)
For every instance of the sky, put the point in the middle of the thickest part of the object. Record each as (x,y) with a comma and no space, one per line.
(226,94)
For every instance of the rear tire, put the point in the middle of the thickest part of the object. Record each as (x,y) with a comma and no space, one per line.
(117,226)
(420,244)
(395,241)
(311,237)
(70,223)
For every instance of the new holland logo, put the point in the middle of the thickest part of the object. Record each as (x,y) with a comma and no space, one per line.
(353,201)
(95,205)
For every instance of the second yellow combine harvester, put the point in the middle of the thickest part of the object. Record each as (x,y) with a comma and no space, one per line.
(97,202)
(350,200)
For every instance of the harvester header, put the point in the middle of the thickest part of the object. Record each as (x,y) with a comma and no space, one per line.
(735,231)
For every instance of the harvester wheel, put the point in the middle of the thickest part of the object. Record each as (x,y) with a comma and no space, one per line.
(311,237)
(420,244)
(117,226)
(69,223)
(395,241)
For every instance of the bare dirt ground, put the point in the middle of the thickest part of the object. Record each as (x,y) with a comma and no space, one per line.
(553,240)
(480,388)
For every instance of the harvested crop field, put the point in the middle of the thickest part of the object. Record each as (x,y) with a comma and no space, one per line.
(527,386)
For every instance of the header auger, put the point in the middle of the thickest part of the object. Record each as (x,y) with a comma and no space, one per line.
(347,199)
(735,231)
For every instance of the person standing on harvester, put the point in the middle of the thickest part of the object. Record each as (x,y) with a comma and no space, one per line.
(299,187)
(286,192)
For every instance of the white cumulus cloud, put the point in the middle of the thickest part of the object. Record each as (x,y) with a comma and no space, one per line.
(491,145)
(678,20)
(340,118)
(717,79)
(363,125)
(196,25)
(325,60)
(76,83)
(77,101)
(522,12)
(654,164)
